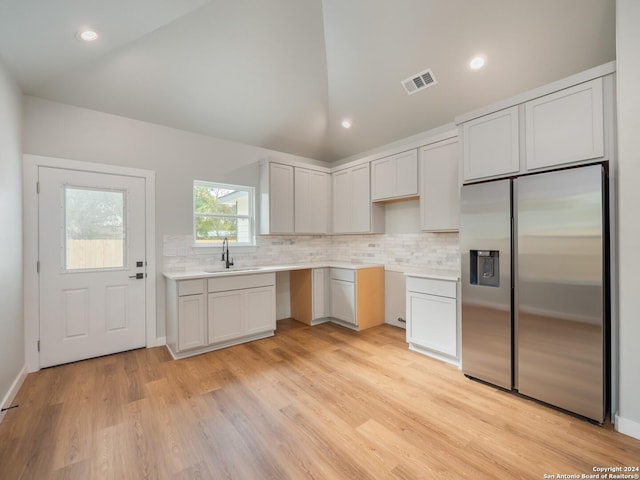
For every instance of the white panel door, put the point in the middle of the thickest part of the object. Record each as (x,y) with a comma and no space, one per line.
(361,200)
(439,186)
(192,325)
(281,198)
(406,174)
(343,301)
(311,201)
(491,145)
(432,322)
(321,293)
(342,193)
(260,310)
(226,315)
(91,236)
(566,126)
(383,178)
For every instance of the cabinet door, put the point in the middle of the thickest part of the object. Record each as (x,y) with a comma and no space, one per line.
(280,198)
(395,176)
(491,145)
(566,126)
(439,189)
(311,201)
(342,201)
(192,324)
(321,290)
(432,322)
(343,304)
(406,178)
(226,315)
(260,310)
(383,178)
(360,200)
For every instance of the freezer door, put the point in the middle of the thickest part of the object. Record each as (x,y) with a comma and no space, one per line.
(560,268)
(485,245)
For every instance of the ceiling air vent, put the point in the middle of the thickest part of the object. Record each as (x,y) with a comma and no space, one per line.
(419,81)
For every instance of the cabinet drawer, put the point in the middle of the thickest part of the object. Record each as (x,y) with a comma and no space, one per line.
(190,287)
(430,286)
(344,274)
(237,282)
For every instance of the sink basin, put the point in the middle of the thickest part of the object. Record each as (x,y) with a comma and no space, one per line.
(239,269)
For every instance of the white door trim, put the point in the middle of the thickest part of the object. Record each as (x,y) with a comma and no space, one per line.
(30,245)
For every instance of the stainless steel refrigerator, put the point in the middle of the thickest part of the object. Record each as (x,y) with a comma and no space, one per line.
(535,287)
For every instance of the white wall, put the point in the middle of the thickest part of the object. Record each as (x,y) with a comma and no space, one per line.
(11,289)
(628,91)
(178,157)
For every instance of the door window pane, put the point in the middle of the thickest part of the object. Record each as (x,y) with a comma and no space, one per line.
(94,228)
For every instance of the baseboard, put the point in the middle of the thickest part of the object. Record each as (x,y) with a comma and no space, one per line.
(628,427)
(158,342)
(13,391)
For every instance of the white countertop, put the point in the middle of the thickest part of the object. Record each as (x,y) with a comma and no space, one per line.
(424,272)
(249,270)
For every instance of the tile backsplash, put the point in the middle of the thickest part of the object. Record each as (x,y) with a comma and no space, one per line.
(436,251)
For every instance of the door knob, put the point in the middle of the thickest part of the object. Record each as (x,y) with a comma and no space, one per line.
(137,276)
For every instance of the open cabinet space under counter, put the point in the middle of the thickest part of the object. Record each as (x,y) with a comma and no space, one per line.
(351,295)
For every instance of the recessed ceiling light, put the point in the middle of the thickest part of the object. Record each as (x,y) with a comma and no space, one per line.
(477,62)
(346,123)
(88,35)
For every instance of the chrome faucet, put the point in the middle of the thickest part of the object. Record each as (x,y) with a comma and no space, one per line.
(225,253)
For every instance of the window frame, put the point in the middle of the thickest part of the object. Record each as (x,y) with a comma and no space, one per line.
(251,217)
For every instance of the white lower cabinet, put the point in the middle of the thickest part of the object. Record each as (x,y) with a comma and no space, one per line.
(235,309)
(321,304)
(432,318)
(225,313)
(192,331)
(260,310)
(236,313)
(343,295)
(343,301)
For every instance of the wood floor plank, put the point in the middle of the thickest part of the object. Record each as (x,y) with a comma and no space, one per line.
(319,402)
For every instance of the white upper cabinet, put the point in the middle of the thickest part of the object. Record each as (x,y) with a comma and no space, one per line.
(566,126)
(353,211)
(342,193)
(312,201)
(294,199)
(360,200)
(276,198)
(439,186)
(395,176)
(491,145)
(567,122)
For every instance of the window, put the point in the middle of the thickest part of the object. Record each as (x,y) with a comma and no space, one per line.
(223,211)
(94,228)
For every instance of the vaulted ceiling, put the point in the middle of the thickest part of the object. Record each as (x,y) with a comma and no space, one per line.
(283,74)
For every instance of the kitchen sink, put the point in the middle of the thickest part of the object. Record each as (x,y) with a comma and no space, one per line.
(239,269)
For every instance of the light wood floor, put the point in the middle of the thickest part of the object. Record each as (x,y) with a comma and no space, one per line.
(311,402)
